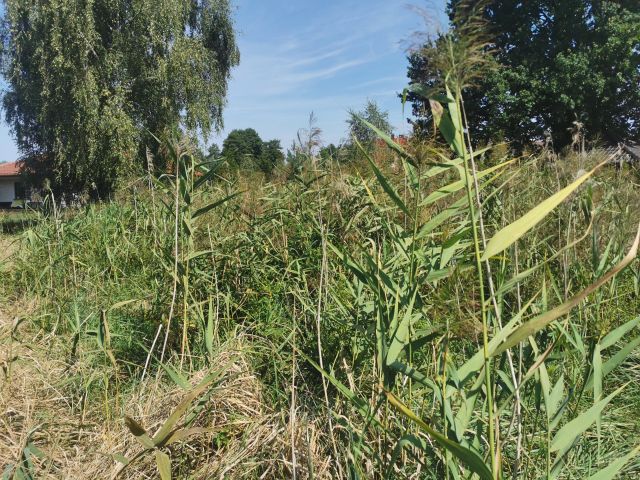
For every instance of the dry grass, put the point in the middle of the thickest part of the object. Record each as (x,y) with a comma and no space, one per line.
(248,438)
(8,246)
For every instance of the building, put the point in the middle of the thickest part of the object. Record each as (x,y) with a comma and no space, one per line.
(624,153)
(633,150)
(401,140)
(11,187)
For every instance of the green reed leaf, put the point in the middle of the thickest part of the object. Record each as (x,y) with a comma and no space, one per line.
(514,231)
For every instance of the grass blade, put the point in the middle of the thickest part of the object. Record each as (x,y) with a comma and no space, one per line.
(386,139)
(572,430)
(183,434)
(511,233)
(139,432)
(182,407)
(401,334)
(617,359)
(616,335)
(471,459)
(164,465)
(177,377)
(208,337)
(541,321)
(390,191)
(610,471)
(597,384)
(213,205)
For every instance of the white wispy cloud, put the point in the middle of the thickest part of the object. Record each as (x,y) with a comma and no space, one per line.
(328,59)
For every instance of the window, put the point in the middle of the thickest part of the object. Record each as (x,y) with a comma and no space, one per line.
(19,191)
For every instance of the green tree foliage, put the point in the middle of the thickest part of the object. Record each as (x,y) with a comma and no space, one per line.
(213,153)
(563,61)
(295,160)
(245,149)
(242,148)
(90,81)
(271,156)
(330,152)
(374,115)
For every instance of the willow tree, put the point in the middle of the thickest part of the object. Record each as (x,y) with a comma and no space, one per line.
(90,82)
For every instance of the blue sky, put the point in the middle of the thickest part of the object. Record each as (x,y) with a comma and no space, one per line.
(299,56)
(321,56)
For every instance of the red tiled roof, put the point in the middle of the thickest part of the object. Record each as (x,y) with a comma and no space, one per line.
(401,140)
(9,169)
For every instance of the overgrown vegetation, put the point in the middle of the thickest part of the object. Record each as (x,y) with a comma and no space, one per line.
(344,309)
(429,310)
(16,221)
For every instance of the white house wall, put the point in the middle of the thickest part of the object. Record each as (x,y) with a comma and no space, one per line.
(7,189)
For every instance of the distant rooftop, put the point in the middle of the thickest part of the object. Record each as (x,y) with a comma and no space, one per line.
(9,169)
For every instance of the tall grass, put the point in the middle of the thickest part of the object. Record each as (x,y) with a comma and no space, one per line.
(471,407)
(431,313)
